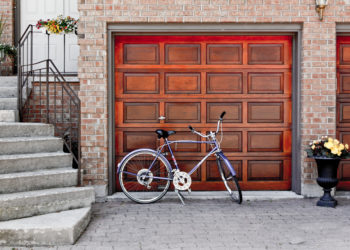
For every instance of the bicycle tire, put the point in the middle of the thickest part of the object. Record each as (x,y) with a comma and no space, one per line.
(138,183)
(230,181)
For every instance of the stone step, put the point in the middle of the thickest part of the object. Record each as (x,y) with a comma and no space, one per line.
(52,229)
(32,203)
(37,180)
(32,162)
(8,81)
(8,103)
(22,129)
(27,145)
(8,116)
(8,92)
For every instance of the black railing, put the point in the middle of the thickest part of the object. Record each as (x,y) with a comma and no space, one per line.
(45,96)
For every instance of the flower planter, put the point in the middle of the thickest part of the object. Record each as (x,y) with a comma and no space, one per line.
(327,178)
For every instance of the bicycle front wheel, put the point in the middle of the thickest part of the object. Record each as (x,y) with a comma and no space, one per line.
(143,177)
(230,181)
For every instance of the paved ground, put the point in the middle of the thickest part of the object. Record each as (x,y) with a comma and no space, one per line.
(217,224)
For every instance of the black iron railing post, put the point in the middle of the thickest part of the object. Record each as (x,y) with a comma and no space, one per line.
(31,48)
(79,144)
(47,92)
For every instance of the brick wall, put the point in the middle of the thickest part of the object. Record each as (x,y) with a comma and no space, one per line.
(6,11)
(318,83)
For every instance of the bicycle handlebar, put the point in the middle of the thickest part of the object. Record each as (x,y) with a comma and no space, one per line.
(217,129)
(222,114)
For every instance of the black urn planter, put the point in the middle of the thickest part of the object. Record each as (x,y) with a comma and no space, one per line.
(327,178)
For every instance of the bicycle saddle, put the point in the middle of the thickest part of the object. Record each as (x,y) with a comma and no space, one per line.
(164,134)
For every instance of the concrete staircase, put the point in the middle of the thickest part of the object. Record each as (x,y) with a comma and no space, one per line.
(8,99)
(39,201)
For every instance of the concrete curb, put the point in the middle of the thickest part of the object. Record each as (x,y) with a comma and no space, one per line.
(212,195)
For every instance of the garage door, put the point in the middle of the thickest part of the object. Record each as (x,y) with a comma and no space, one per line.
(343,105)
(191,80)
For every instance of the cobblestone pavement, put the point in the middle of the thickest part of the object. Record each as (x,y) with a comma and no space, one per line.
(217,224)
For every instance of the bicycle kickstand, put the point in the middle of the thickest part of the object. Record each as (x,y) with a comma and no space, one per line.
(181,197)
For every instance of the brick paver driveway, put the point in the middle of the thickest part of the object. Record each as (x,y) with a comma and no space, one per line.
(218,224)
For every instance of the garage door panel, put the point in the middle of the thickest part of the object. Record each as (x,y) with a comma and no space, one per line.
(186,147)
(344,49)
(187,166)
(141,54)
(224,54)
(213,174)
(344,136)
(142,139)
(140,83)
(344,110)
(265,83)
(265,141)
(183,112)
(265,170)
(192,80)
(141,112)
(224,83)
(344,171)
(182,54)
(265,54)
(233,112)
(265,112)
(344,82)
(182,83)
(231,141)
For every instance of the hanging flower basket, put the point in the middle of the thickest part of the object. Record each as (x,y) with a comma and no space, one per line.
(59,25)
(328,153)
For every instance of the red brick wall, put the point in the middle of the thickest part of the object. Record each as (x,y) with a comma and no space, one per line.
(7,12)
(318,76)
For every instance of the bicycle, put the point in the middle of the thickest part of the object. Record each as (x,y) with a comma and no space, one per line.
(145,174)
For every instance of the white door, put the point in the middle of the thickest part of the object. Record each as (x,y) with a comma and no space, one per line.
(64,50)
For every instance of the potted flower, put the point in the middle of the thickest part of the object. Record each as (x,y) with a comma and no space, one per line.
(327,152)
(6,50)
(59,25)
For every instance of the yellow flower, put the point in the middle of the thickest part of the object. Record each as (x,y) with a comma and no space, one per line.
(334,150)
(336,142)
(313,147)
(330,139)
(341,146)
(328,145)
(346,146)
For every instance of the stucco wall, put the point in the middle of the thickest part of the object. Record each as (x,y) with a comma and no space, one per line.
(318,62)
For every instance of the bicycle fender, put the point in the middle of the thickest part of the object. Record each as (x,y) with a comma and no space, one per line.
(227,162)
(141,149)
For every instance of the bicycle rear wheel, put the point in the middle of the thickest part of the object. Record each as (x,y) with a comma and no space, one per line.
(141,183)
(230,181)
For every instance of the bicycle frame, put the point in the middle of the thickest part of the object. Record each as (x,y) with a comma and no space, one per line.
(167,143)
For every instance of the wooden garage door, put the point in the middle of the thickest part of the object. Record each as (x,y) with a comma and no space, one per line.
(343,106)
(191,80)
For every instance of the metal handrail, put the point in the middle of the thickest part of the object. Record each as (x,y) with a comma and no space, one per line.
(44,92)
